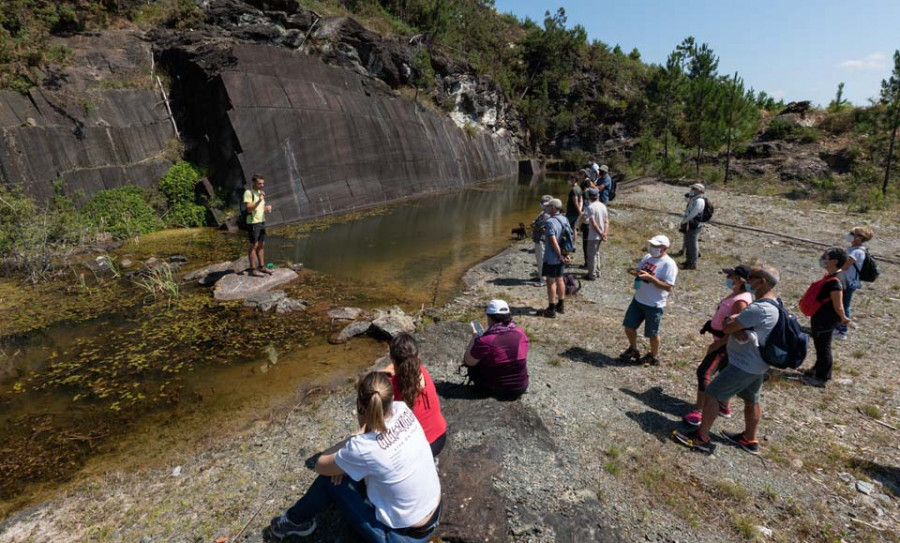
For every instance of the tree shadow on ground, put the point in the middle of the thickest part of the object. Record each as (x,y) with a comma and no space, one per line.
(599,360)
(655,398)
(653,423)
(889,476)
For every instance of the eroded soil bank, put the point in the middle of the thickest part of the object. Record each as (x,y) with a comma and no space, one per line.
(585,455)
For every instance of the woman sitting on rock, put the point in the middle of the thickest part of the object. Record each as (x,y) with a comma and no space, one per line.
(413,385)
(401,498)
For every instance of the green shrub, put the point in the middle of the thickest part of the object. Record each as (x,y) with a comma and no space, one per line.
(838,122)
(178,188)
(780,129)
(123,212)
(574,159)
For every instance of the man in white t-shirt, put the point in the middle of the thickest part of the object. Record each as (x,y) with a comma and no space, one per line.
(743,376)
(596,218)
(654,280)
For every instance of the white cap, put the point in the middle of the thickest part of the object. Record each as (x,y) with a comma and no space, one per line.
(546,198)
(605,168)
(659,240)
(556,202)
(497,307)
(699,187)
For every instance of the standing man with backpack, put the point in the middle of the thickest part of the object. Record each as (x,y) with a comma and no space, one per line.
(558,235)
(256,208)
(537,236)
(747,333)
(692,223)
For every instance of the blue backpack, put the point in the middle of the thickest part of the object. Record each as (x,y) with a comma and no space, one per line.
(567,238)
(786,345)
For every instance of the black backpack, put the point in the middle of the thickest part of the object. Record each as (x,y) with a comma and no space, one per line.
(612,189)
(786,345)
(868,272)
(708,210)
(242,217)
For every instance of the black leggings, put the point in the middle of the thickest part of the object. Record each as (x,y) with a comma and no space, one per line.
(824,360)
(438,445)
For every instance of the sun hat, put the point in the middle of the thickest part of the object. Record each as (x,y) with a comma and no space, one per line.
(497,307)
(604,168)
(699,186)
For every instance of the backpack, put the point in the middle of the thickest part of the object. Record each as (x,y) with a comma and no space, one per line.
(612,189)
(786,345)
(708,210)
(810,302)
(567,238)
(573,284)
(868,272)
(242,223)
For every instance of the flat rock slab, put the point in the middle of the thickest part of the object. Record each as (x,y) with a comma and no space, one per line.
(344,313)
(241,287)
(352,330)
(391,322)
(201,274)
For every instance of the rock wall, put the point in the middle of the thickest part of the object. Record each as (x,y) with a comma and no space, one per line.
(96,125)
(326,138)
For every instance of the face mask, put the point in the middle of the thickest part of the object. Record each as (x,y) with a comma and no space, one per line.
(692,194)
(655,252)
(729,284)
(823,263)
(849,238)
(749,289)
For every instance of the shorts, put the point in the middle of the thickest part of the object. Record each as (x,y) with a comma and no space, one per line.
(732,381)
(552,270)
(638,313)
(257,232)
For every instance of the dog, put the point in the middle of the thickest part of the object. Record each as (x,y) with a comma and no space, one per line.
(520,231)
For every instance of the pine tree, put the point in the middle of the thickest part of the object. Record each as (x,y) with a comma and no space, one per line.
(838,103)
(703,86)
(666,91)
(890,97)
(740,117)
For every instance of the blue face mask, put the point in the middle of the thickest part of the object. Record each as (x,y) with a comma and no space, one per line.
(823,263)
(729,283)
(749,289)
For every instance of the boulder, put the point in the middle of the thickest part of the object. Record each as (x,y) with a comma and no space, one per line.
(803,168)
(265,300)
(178,258)
(240,287)
(390,322)
(290,305)
(203,273)
(344,313)
(352,330)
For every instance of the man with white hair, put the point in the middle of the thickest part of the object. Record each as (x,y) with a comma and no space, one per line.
(537,236)
(595,220)
(554,260)
(691,225)
(654,279)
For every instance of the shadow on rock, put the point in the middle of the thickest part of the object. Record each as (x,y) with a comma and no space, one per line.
(653,423)
(458,390)
(600,360)
(656,399)
(508,282)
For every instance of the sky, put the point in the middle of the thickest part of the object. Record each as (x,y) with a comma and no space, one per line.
(792,49)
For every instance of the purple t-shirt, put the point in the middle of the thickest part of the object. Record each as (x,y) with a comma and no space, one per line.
(502,352)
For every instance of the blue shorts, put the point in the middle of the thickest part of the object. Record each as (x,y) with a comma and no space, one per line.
(650,316)
(552,270)
(735,382)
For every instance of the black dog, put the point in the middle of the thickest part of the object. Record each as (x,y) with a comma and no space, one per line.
(520,231)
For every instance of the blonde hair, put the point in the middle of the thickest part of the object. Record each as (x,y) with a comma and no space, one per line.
(374,396)
(865,232)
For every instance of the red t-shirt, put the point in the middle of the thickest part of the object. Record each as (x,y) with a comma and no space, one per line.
(427,408)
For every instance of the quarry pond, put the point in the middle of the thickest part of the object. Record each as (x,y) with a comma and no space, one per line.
(96,375)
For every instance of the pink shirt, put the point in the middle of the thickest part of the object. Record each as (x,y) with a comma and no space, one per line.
(725,309)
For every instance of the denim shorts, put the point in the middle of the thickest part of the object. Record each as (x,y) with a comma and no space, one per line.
(638,313)
(732,381)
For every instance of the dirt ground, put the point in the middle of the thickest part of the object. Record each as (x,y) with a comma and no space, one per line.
(586,454)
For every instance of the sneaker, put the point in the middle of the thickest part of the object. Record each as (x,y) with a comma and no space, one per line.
(694,418)
(266,271)
(692,440)
(812,381)
(630,356)
(688,266)
(649,360)
(737,438)
(725,410)
(561,307)
(281,527)
(837,334)
(589,277)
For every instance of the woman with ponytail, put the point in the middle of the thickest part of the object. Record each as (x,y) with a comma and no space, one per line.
(401,498)
(413,386)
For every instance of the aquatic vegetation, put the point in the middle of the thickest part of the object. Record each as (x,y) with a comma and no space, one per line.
(160,283)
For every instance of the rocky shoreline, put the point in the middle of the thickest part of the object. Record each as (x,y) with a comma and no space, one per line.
(585,454)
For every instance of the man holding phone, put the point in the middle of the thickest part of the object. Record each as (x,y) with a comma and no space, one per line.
(497,357)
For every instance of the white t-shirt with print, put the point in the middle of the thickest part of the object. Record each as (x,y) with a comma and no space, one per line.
(663,268)
(401,479)
(850,276)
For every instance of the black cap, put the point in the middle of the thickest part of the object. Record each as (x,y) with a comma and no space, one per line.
(740,271)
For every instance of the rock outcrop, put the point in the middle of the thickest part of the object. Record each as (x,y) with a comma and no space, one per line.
(242,287)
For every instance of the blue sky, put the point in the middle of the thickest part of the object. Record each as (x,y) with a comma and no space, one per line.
(794,49)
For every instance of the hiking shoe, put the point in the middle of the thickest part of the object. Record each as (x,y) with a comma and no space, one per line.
(266,271)
(725,410)
(812,381)
(737,438)
(692,440)
(649,360)
(694,418)
(839,335)
(561,307)
(589,277)
(256,273)
(630,356)
(688,266)
(281,527)
(550,312)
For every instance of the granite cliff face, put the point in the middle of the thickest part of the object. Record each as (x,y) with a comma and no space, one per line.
(310,103)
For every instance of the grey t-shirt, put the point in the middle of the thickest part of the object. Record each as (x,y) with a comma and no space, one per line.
(553,227)
(743,346)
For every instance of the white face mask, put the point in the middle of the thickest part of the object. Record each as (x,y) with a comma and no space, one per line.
(655,251)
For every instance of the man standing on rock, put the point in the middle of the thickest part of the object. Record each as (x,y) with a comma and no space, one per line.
(255,204)
(654,280)
(691,225)
(596,219)
(746,368)
(554,261)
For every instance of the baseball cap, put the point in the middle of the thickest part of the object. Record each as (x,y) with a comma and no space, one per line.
(556,202)
(698,186)
(741,271)
(497,307)
(546,198)
(604,168)
(593,193)
(659,240)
